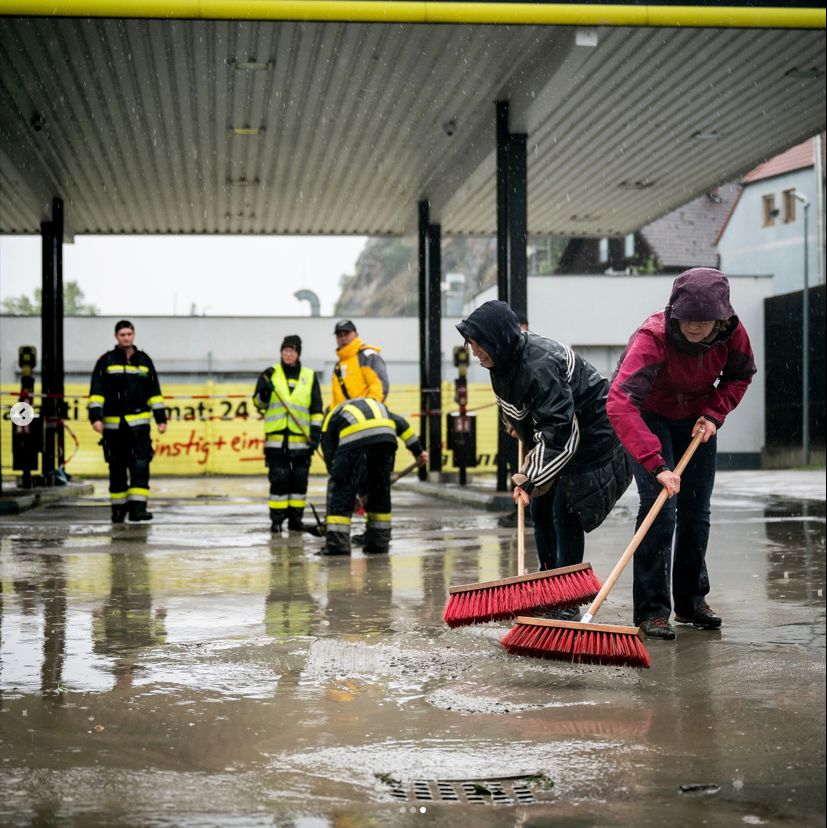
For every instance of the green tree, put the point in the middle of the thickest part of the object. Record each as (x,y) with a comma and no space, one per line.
(73,303)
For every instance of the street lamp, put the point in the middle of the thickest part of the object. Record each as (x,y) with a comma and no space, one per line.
(805,340)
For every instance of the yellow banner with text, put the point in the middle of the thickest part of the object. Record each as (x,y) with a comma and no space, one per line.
(215,429)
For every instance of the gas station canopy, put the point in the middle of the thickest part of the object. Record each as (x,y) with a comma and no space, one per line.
(340,126)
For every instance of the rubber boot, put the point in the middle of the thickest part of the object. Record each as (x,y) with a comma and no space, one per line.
(336,543)
(294,519)
(377,541)
(119,512)
(138,512)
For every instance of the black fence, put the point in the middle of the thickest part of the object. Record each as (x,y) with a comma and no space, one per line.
(783,336)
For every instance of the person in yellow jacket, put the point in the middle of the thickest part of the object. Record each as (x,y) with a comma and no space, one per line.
(360,371)
(290,398)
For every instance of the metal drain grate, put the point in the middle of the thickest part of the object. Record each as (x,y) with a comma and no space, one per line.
(503,791)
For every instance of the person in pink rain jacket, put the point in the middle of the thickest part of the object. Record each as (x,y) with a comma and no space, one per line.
(684,369)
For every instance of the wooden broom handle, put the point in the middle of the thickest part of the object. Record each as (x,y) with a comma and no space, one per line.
(520,518)
(641,532)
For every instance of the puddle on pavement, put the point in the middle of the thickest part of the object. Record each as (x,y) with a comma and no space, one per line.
(198,671)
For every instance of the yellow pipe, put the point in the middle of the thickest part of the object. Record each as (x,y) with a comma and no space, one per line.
(382,11)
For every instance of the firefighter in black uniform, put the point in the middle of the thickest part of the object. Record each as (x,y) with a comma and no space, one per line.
(290,398)
(123,397)
(361,433)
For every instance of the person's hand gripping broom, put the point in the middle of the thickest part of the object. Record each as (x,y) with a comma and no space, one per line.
(552,589)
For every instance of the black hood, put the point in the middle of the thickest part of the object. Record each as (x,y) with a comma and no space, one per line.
(495,328)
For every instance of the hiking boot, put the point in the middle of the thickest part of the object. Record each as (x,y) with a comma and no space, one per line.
(137,511)
(509,521)
(565,614)
(328,550)
(703,618)
(658,628)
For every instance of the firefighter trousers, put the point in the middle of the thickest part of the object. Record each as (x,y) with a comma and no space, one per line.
(128,451)
(287,473)
(375,461)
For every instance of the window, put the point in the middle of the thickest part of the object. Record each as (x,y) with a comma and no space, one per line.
(789,206)
(770,210)
(603,250)
(629,246)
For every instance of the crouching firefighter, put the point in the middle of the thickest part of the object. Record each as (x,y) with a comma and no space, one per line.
(123,397)
(291,399)
(359,438)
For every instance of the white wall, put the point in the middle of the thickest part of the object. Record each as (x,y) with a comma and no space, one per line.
(196,345)
(594,314)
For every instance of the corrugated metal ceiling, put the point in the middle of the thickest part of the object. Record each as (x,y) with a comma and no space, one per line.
(137,120)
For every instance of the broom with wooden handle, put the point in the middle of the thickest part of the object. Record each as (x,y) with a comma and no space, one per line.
(580,641)
(552,589)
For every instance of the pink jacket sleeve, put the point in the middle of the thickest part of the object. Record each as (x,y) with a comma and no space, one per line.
(735,378)
(630,387)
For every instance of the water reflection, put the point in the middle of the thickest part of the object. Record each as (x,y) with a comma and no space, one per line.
(54,626)
(126,623)
(796,556)
(289,609)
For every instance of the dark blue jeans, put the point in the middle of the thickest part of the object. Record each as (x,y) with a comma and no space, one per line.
(684,517)
(558,533)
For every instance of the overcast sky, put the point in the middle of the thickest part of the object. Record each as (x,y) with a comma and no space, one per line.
(166,275)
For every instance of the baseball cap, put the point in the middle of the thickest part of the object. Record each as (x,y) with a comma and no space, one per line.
(344,326)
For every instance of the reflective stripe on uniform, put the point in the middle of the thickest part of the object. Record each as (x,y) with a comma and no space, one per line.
(127,369)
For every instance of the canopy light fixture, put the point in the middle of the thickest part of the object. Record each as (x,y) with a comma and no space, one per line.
(583,217)
(706,135)
(250,65)
(242,182)
(644,184)
(805,74)
(246,130)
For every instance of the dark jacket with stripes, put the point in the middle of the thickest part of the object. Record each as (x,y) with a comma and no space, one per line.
(126,388)
(362,421)
(549,395)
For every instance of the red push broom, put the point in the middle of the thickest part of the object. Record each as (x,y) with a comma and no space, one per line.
(580,641)
(568,586)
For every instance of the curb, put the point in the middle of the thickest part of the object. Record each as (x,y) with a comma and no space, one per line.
(454,493)
(21,500)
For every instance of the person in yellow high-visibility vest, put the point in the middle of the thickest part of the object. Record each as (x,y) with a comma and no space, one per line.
(290,398)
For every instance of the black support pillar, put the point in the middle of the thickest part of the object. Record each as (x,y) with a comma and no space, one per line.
(52,372)
(430,338)
(512,238)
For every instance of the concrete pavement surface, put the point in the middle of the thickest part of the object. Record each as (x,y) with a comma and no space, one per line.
(197,671)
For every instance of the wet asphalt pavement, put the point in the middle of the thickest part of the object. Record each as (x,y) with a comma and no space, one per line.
(198,672)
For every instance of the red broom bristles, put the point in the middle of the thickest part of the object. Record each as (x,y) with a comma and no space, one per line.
(537,592)
(576,642)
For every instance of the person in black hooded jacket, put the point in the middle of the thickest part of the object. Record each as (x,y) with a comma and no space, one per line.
(554,401)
